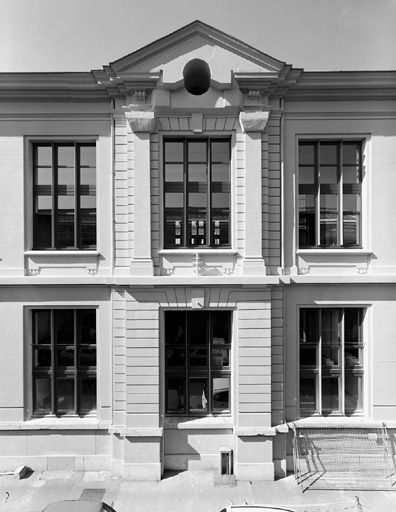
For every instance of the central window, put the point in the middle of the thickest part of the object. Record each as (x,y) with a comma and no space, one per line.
(197,362)
(64,361)
(197,193)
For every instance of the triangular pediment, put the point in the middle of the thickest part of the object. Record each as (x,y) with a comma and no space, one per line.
(223,53)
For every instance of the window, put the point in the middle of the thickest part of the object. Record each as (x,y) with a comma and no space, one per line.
(64,361)
(197,193)
(331,361)
(64,196)
(197,362)
(330,183)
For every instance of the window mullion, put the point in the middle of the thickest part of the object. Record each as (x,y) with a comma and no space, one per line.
(342,385)
(53,362)
(54,196)
(317,199)
(186,366)
(210,393)
(319,387)
(340,197)
(186,215)
(76,195)
(209,198)
(76,404)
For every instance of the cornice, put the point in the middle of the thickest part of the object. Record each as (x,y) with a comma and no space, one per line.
(125,83)
(345,85)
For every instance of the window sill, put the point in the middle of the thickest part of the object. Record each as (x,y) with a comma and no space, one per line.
(208,422)
(336,422)
(62,253)
(48,423)
(306,252)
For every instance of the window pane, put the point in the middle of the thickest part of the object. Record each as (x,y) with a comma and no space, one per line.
(221,227)
(221,326)
(353,392)
(198,200)
(352,323)
(197,227)
(174,172)
(198,173)
(308,394)
(64,326)
(309,325)
(306,153)
(88,178)
(351,229)
(330,356)
(175,400)
(42,394)
(87,326)
(197,152)
(173,228)
(220,357)
(328,153)
(221,173)
(330,394)
(328,219)
(306,175)
(220,151)
(198,394)
(351,152)
(198,357)
(65,395)
(198,332)
(43,230)
(175,327)
(353,356)
(87,357)
(174,151)
(88,228)
(220,200)
(221,393)
(174,200)
(307,356)
(65,156)
(44,155)
(330,326)
(351,175)
(42,358)
(65,356)
(65,229)
(44,177)
(307,220)
(87,395)
(328,175)
(175,357)
(88,156)
(42,321)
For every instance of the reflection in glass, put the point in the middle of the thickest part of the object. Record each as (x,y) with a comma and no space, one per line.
(351,153)
(88,156)
(330,326)
(198,394)
(65,356)
(221,173)
(221,394)
(198,173)
(173,151)
(220,151)
(328,153)
(87,326)
(198,328)
(220,357)
(88,395)
(65,395)
(42,394)
(306,153)
(64,326)
(352,323)
(44,155)
(330,394)
(42,358)
(175,394)
(309,325)
(175,357)
(65,156)
(308,394)
(330,356)
(198,357)
(197,151)
(87,357)
(353,392)
(175,327)
(42,321)
(174,173)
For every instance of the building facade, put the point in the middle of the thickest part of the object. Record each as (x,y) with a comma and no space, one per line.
(198,251)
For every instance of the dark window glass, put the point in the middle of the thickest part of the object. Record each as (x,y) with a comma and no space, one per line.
(64,361)
(330,342)
(197,193)
(329,193)
(197,362)
(64,196)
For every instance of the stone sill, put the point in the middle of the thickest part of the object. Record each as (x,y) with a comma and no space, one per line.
(254,432)
(62,253)
(55,424)
(135,432)
(207,423)
(343,252)
(336,422)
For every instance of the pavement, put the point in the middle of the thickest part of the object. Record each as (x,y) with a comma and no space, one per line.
(180,492)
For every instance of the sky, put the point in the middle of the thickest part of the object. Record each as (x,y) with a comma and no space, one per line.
(81,35)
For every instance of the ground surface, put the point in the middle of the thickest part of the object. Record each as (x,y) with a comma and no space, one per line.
(182,492)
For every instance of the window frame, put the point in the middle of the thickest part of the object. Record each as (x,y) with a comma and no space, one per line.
(74,372)
(209,210)
(360,369)
(339,141)
(54,145)
(209,372)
